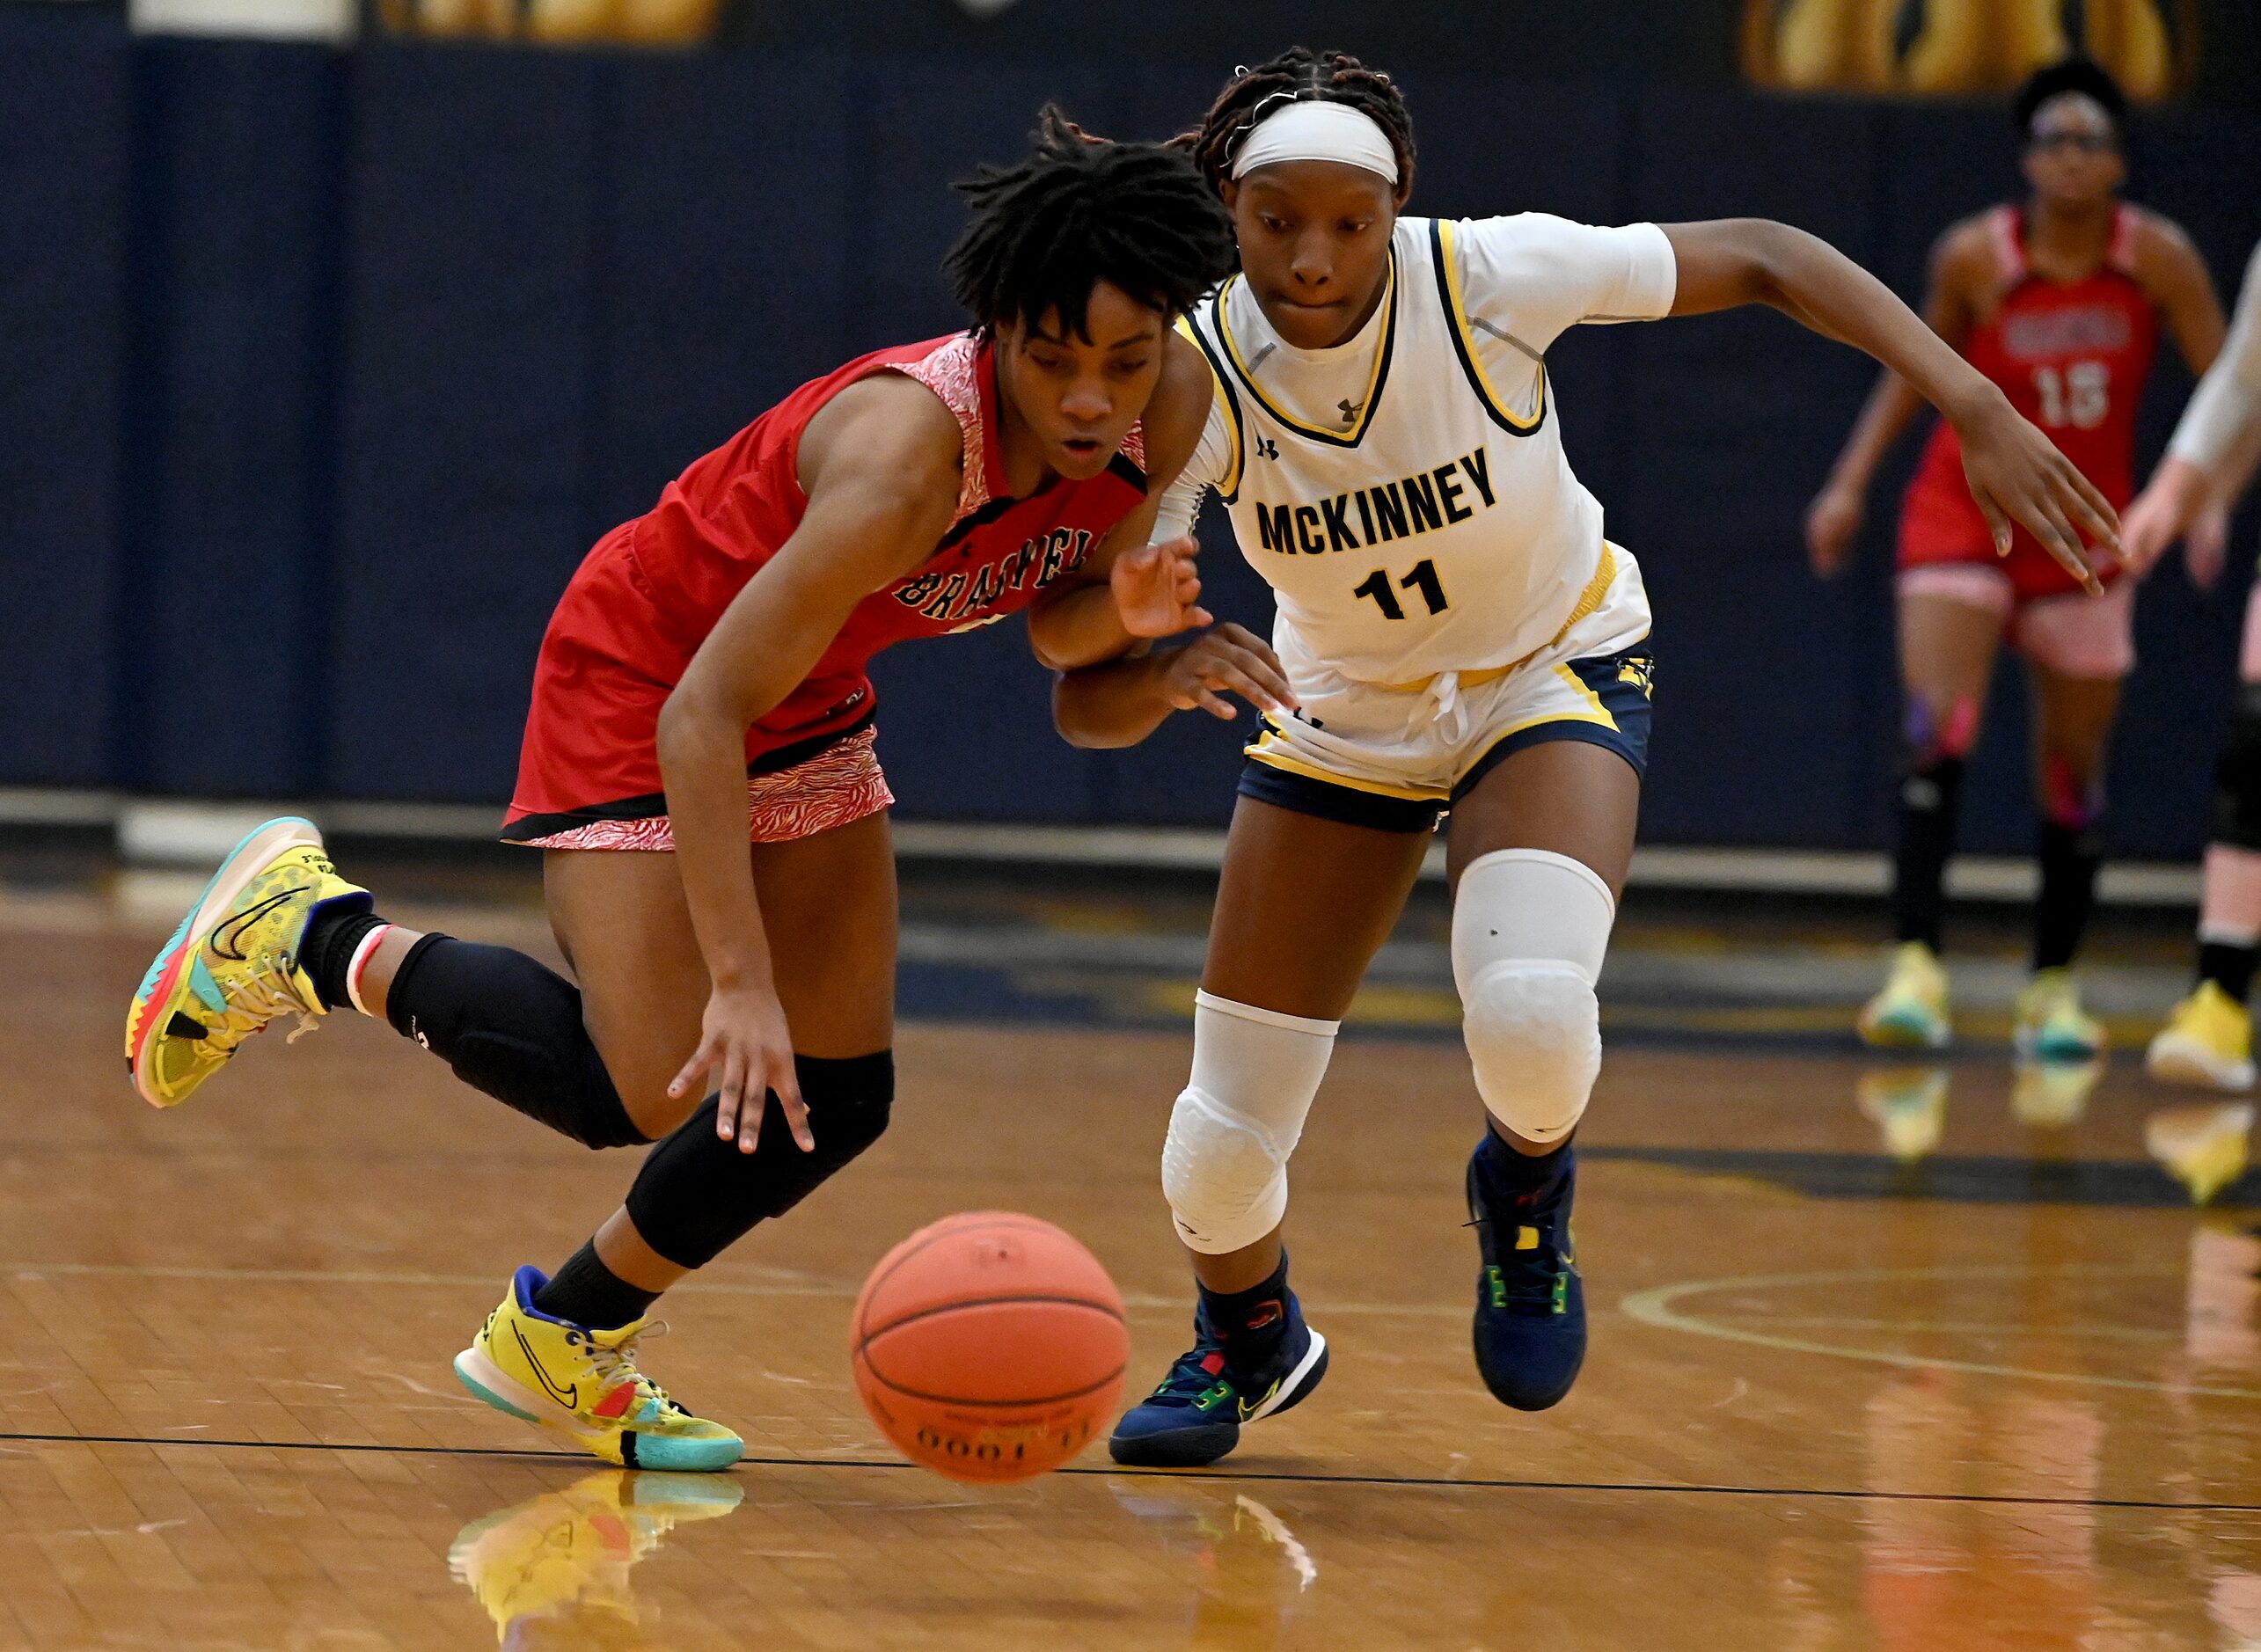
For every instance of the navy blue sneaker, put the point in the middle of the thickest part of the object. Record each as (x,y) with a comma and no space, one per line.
(1194,1417)
(1531,1306)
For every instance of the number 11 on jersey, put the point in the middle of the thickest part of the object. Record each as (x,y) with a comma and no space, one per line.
(1422,579)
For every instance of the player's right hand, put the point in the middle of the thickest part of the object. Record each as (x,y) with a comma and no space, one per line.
(2016,473)
(744,1052)
(1228,658)
(1832,523)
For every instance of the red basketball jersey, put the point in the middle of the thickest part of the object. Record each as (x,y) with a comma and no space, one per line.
(644,600)
(727,514)
(2072,358)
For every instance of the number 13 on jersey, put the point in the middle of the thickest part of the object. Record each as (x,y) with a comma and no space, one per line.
(1423,579)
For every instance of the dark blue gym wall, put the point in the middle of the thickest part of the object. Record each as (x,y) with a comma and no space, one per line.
(320,371)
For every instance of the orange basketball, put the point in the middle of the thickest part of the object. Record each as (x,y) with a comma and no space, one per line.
(990,1346)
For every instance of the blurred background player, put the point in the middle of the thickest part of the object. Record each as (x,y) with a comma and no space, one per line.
(2208,1040)
(1458,635)
(703,681)
(2058,301)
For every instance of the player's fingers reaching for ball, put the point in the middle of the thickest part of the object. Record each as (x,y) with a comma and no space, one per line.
(785,1084)
(2045,517)
(2013,470)
(2088,506)
(746,1050)
(1998,528)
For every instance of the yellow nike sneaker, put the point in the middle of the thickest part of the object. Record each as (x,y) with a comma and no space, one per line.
(584,1384)
(560,1561)
(1911,1011)
(2204,1147)
(1908,1105)
(2048,1023)
(232,966)
(2207,1042)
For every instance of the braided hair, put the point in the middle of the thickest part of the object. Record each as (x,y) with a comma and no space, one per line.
(1298,74)
(1079,210)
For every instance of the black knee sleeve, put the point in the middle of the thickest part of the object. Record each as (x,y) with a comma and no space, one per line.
(2237,775)
(513,1028)
(698,1194)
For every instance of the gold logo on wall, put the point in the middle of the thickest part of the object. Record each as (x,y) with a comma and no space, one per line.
(1938,48)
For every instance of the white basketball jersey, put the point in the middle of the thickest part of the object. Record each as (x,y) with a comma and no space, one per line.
(1435,526)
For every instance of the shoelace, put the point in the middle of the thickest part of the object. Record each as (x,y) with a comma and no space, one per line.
(1525,1275)
(265,993)
(1187,1379)
(614,1365)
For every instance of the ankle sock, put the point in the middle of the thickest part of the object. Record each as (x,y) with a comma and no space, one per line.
(1519,1178)
(586,1292)
(2229,966)
(327,950)
(2069,856)
(1249,1323)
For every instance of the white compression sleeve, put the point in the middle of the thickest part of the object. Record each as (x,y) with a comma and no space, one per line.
(1224,1160)
(1530,928)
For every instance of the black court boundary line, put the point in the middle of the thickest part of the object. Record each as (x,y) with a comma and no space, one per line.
(1225,1477)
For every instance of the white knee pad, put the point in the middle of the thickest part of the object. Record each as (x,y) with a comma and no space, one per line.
(1529,931)
(1224,1160)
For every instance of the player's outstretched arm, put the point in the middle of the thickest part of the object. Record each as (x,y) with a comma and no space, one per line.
(2186,499)
(1122,702)
(1832,523)
(879,464)
(2014,472)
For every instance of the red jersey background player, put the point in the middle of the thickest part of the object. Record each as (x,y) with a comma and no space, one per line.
(2059,301)
(702,682)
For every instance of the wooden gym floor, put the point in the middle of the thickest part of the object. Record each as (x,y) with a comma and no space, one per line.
(1883,1356)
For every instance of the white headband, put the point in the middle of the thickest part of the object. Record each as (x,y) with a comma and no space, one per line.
(1317,129)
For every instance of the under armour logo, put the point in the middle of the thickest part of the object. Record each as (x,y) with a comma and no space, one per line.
(1267,448)
(1349,410)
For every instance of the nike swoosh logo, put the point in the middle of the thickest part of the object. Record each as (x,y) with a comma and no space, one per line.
(566,1397)
(1249,1407)
(226,936)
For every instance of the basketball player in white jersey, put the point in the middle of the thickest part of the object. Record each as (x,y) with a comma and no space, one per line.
(2208,1040)
(1457,634)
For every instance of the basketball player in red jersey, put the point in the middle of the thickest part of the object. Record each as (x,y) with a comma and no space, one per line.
(706,671)
(2058,301)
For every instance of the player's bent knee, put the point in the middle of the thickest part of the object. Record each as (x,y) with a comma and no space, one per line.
(1533,1031)
(1530,928)
(698,1194)
(1224,1174)
(2237,777)
(1224,1158)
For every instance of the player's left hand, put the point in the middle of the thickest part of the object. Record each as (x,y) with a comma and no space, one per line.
(1156,587)
(2015,472)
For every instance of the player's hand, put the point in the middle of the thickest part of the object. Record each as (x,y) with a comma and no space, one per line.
(2173,506)
(744,1052)
(1155,589)
(2149,526)
(1229,659)
(2016,473)
(1833,524)
(2205,547)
